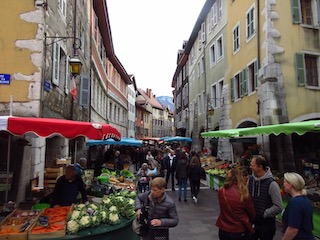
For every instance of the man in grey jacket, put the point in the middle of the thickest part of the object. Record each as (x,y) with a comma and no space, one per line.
(266,197)
(162,213)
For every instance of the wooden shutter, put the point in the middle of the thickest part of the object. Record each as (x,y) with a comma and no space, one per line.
(296,13)
(255,66)
(300,69)
(232,89)
(85,91)
(55,63)
(67,75)
(245,81)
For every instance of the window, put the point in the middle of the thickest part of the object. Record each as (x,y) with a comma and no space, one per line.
(236,87)
(62,5)
(236,38)
(96,27)
(219,7)
(220,48)
(250,25)
(307,69)
(215,14)
(306,12)
(202,65)
(252,76)
(212,55)
(55,63)
(213,100)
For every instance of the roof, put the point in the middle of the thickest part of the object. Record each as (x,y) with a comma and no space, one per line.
(151,100)
(100,8)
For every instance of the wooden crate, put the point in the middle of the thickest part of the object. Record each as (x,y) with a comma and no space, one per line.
(48,235)
(51,175)
(14,222)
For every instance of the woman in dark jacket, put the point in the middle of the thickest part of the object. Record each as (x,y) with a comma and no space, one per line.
(194,174)
(182,174)
(236,208)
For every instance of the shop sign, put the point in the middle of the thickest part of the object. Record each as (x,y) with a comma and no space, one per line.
(5,79)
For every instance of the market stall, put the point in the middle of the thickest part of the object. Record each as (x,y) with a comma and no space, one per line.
(109,219)
(310,166)
(48,127)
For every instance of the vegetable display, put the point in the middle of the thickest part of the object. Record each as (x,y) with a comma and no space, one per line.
(111,211)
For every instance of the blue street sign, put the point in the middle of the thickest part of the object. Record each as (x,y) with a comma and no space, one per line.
(4,78)
(46,86)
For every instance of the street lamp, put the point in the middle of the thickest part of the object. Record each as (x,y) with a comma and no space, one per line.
(75,65)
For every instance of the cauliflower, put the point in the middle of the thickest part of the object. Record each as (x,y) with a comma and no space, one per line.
(106,201)
(114,218)
(80,206)
(85,221)
(75,214)
(95,220)
(72,227)
(113,209)
(103,215)
(93,206)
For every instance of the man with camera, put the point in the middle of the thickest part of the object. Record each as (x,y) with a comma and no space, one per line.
(158,209)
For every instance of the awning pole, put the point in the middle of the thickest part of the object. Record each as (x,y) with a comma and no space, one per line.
(8,168)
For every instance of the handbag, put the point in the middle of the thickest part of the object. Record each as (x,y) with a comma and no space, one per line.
(141,226)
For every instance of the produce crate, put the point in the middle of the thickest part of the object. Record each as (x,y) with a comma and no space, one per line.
(10,227)
(210,180)
(51,234)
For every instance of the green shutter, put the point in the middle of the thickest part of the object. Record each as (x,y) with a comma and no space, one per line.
(245,81)
(296,14)
(300,69)
(232,89)
(255,66)
(241,80)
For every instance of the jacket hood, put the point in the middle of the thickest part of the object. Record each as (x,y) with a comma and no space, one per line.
(268,174)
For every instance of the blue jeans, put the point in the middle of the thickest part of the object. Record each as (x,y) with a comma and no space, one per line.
(183,183)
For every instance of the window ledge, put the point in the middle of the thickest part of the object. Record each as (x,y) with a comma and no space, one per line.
(309,26)
(313,87)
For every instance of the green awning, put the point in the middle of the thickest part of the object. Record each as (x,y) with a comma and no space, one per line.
(287,128)
(221,133)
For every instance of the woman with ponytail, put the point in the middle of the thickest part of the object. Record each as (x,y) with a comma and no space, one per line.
(236,208)
(297,217)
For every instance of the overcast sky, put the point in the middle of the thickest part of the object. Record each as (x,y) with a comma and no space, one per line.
(146,37)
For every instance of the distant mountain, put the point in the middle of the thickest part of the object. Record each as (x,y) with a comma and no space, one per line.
(166,101)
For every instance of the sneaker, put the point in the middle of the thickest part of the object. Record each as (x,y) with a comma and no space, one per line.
(193,197)
(195,200)
(179,199)
(185,200)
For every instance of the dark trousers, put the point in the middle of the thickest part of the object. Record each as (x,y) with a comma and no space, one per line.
(233,236)
(195,187)
(170,173)
(263,232)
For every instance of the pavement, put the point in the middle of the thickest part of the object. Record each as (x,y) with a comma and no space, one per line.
(197,221)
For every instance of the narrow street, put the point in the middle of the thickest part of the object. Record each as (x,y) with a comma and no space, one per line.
(197,221)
